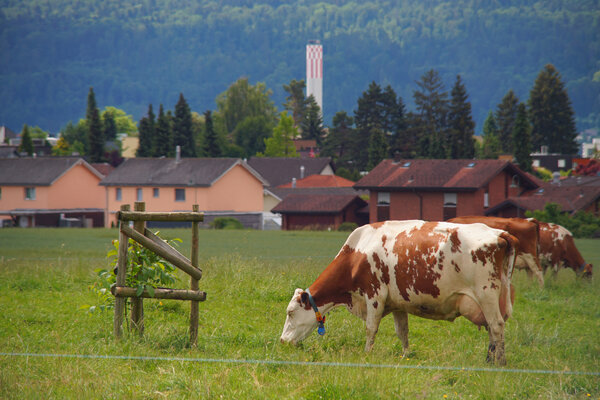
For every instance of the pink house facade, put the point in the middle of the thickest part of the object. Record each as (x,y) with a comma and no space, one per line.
(168,184)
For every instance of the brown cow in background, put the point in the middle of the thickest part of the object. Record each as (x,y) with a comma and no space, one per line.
(557,250)
(527,231)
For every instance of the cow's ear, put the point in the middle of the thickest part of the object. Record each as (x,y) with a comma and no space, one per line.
(304,298)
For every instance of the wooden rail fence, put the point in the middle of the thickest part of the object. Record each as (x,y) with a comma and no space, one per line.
(144,237)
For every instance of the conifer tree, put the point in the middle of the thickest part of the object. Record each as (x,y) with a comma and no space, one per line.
(378,148)
(110,126)
(506,113)
(26,145)
(338,143)
(491,148)
(94,125)
(146,134)
(460,123)
(296,102)
(432,108)
(551,113)
(163,141)
(312,124)
(522,139)
(210,147)
(182,128)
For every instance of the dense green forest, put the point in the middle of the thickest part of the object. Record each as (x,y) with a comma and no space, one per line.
(137,52)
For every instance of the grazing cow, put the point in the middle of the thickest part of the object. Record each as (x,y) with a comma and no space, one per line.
(557,250)
(527,231)
(435,270)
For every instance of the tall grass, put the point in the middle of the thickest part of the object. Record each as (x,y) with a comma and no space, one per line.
(249,277)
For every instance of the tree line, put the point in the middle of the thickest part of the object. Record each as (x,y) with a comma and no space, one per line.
(247,123)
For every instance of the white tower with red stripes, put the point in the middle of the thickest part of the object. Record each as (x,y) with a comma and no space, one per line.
(314,71)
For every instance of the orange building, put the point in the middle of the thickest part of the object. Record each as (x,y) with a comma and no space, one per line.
(170,184)
(50,191)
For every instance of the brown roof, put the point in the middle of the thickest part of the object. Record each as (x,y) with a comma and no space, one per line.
(38,171)
(427,174)
(104,168)
(201,172)
(316,203)
(282,193)
(315,181)
(570,198)
(279,170)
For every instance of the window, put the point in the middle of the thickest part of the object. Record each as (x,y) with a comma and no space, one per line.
(179,194)
(383,198)
(155,193)
(536,163)
(118,194)
(29,193)
(561,163)
(138,194)
(449,199)
(486,199)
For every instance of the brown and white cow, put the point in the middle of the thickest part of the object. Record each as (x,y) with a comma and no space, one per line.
(435,270)
(558,250)
(526,231)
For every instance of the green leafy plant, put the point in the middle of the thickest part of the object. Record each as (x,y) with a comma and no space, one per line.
(226,223)
(145,271)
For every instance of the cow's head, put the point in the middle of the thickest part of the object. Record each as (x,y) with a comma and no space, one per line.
(300,320)
(586,270)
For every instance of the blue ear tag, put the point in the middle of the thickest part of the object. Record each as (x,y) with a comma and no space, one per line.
(321,330)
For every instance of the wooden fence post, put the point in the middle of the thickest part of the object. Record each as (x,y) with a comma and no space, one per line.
(137,303)
(194,282)
(121,275)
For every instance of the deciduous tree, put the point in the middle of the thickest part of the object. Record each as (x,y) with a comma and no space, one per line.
(281,144)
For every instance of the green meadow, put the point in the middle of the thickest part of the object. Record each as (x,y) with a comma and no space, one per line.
(552,339)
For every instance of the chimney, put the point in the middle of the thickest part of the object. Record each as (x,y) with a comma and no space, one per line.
(293,183)
(556,178)
(177,154)
(302,172)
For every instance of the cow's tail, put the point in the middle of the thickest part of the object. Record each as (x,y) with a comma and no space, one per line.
(511,253)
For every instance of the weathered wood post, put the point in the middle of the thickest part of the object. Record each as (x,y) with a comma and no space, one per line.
(137,303)
(194,282)
(121,275)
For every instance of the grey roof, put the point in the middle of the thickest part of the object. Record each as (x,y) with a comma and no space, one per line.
(38,171)
(280,170)
(201,172)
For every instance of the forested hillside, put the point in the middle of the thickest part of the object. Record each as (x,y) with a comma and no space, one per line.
(136,52)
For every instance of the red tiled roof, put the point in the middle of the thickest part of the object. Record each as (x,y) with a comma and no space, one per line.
(315,181)
(427,174)
(319,204)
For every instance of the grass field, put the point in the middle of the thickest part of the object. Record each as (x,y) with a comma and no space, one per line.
(249,277)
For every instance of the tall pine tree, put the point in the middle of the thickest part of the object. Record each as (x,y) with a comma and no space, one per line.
(26,145)
(296,102)
(163,138)
(491,148)
(522,139)
(378,148)
(94,125)
(431,103)
(210,146)
(182,128)
(460,123)
(506,113)
(146,134)
(338,143)
(312,124)
(551,113)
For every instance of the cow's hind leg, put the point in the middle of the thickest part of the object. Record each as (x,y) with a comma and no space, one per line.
(495,324)
(374,315)
(401,325)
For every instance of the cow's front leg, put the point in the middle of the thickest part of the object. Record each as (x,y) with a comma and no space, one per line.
(374,315)
(401,325)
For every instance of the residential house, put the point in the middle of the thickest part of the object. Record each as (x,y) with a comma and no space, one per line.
(6,134)
(320,208)
(438,190)
(220,186)
(572,194)
(50,191)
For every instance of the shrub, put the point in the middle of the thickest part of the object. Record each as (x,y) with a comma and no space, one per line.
(347,226)
(226,223)
(581,224)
